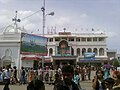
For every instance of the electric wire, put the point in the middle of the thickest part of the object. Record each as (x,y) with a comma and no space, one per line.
(21,19)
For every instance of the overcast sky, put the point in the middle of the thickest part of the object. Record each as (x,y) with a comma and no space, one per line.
(74,15)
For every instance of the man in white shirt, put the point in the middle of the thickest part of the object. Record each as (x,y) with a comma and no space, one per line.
(6,78)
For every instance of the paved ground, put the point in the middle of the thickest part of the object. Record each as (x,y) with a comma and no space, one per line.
(87,85)
(84,84)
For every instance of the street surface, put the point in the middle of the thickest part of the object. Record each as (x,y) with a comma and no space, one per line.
(84,84)
(87,85)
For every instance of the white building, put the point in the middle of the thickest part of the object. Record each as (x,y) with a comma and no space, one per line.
(63,48)
(10,49)
(10,46)
(69,48)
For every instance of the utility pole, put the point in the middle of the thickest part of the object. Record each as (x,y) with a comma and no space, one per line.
(44,19)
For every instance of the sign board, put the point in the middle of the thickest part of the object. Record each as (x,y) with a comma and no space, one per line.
(89,56)
(33,44)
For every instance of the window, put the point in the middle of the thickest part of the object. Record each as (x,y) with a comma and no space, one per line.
(64,38)
(77,39)
(94,38)
(83,51)
(71,39)
(95,51)
(57,39)
(78,51)
(101,52)
(101,39)
(89,39)
(50,51)
(83,39)
(89,50)
(50,39)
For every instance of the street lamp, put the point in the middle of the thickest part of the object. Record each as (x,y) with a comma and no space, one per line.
(44,19)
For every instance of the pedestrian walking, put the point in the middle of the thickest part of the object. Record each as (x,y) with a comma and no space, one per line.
(22,77)
(6,78)
(106,69)
(15,74)
(76,78)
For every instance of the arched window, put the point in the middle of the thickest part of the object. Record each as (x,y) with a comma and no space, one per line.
(101,52)
(78,51)
(83,51)
(89,50)
(72,51)
(95,51)
(50,51)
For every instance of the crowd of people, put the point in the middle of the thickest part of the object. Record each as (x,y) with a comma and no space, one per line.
(104,80)
(68,77)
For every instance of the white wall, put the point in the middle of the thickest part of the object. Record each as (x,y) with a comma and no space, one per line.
(14,53)
(27,63)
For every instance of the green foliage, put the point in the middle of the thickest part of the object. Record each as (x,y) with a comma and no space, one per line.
(115,63)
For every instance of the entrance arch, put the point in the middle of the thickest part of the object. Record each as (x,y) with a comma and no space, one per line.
(7,58)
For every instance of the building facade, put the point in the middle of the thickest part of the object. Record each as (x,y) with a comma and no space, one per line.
(63,48)
(70,48)
(10,49)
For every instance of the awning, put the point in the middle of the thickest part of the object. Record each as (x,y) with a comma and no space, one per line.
(31,58)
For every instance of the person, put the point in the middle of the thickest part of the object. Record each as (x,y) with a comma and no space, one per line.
(36,84)
(109,83)
(98,81)
(89,72)
(30,75)
(116,77)
(22,77)
(57,80)
(1,78)
(6,78)
(106,69)
(40,73)
(67,83)
(76,78)
(15,74)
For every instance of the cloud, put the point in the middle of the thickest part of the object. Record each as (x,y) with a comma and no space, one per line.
(29,20)
(30,27)
(83,15)
(5,1)
(112,34)
(5,19)
(62,21)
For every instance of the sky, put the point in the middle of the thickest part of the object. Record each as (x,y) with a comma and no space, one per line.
(75,15)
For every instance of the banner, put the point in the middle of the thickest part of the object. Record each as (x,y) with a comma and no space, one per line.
(33,44)
(89,56)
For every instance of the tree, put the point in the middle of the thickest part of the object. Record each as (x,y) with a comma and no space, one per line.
(115,63)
